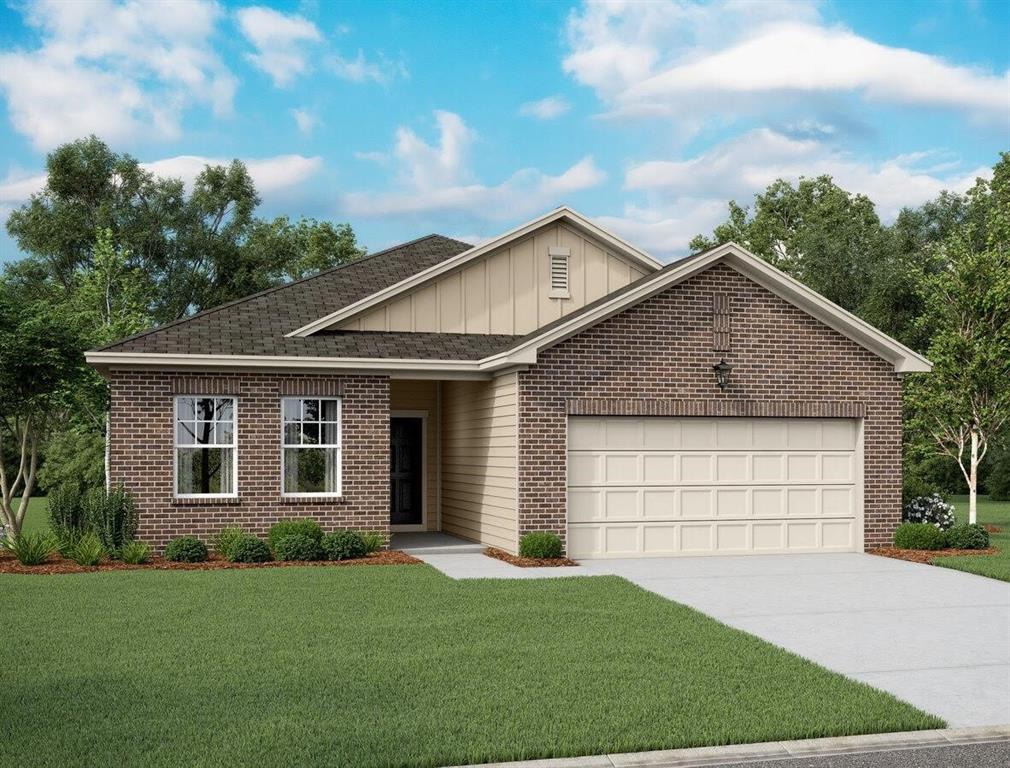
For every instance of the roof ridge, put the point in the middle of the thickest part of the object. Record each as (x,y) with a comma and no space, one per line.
(274,288)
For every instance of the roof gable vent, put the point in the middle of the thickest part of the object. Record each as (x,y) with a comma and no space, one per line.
(559,272)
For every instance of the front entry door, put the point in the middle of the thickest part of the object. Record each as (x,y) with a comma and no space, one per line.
(405,470)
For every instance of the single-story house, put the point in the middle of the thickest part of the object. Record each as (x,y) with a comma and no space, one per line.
(554,378)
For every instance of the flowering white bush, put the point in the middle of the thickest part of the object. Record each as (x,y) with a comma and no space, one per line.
(930,509)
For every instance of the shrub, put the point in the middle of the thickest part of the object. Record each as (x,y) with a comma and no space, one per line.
(135,552)
(249,549)
(31,548)
(88,550)
(301,526)
(930,509)
(186,549)
(112,516)
(540,545)
(298,546)
(374,541)
(998,479)
(66,539)
(344,545)
(67,513)
(918,536)
(967,536)
(226,539)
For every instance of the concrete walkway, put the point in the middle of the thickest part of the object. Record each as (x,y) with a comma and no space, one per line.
(935,637)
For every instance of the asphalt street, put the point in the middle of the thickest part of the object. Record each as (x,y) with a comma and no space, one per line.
(996,755)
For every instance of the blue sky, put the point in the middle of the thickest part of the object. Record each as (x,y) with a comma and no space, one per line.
(466,118)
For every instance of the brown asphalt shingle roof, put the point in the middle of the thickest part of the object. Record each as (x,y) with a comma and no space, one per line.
(257,325)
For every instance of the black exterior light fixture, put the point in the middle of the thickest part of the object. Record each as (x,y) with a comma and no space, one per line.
(722,369)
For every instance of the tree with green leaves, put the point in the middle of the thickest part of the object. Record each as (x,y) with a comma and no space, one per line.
(965,402)
(196,250)
(40,356)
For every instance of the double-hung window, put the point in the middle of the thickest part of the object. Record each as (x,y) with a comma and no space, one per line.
(205,447)
(310,444)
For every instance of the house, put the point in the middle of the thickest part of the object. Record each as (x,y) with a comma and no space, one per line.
(553,378)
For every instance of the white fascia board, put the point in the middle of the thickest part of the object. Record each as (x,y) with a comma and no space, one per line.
(387,293)
(904,359)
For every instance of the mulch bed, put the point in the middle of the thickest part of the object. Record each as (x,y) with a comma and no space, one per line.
(926,555)
(57,565)
(990,528)
(528,562)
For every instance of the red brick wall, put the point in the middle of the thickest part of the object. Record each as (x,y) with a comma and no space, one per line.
(141,447)
(656,359)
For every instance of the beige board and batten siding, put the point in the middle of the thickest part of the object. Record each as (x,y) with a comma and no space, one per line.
(422,396)
(479,444)
(506,291)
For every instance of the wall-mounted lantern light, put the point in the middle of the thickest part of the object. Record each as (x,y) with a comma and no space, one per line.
(722,369)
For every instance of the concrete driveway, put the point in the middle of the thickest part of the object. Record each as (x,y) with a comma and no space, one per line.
(934,637)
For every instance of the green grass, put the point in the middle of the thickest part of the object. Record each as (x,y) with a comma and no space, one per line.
(994,566)
(36,518)
(390,665)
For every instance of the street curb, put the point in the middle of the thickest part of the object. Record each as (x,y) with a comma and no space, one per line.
(773,750)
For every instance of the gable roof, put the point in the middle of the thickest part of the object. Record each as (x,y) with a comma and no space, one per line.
(563,213)
(257,324)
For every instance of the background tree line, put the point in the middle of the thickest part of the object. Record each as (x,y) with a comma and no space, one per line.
(112,250)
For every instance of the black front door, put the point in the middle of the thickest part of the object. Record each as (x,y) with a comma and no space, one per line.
(405,478)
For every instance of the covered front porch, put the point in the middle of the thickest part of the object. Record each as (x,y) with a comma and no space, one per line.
(453,449)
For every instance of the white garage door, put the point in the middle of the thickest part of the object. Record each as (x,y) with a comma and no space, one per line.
(694,486)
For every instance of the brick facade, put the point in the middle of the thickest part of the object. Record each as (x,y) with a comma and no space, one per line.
(656,358)
(142,445)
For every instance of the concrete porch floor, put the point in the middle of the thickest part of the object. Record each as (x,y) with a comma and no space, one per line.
(433,543)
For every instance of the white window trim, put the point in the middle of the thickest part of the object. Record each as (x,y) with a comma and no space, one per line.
(339,446)
(564,255)
(176,447)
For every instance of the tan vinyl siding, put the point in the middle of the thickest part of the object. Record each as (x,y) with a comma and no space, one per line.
(479,430)
(508,290)
(411,395)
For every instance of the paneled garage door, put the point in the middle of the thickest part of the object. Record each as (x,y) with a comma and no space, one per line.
(694,486)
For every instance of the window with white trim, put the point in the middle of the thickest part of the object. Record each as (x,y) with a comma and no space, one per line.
(310,446)
(559,272)
(205,446)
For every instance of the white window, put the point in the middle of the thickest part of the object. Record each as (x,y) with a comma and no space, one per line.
(559,272)
(310,444)
(205,446)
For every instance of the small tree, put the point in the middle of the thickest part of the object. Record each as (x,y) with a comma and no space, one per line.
(965,401)
(40,354)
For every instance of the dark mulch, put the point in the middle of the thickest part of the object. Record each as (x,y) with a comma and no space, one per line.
(926,555)
(990,528)
(528,562)
(58,565)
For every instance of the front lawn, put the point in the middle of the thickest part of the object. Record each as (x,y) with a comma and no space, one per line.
(994,513)
(391,665)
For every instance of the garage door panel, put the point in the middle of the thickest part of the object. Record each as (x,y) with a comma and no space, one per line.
(694,486)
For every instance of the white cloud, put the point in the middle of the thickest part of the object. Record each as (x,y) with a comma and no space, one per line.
(305,120)
(437,178)
(121,70)
(545,109)
(361,70)
(678,58)
(683,198)
(281,41)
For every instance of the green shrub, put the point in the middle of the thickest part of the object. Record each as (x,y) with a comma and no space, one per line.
(918,536)
(67,513)
(226,539)
(344,545)
(31,548)
(186,549)
(998,479)
(75,457)
(967,536)
(66,539)
(301,526)
(88,550)
(298,546)
(135,552)
(112,516)
(540,544)
(249,549)
(374,541)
